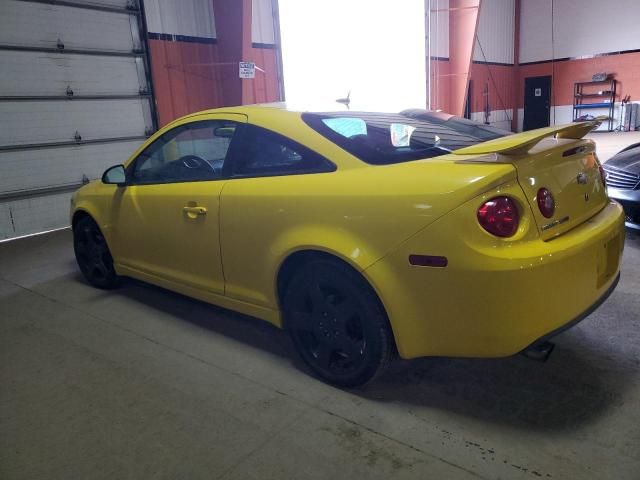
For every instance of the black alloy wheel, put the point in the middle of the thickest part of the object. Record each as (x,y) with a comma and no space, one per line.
(337,323)
(92,254)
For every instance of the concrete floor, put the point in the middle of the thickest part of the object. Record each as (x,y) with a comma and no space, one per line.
(143,383)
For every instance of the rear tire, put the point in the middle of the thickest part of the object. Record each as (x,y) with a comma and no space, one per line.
(337,323)
(93,255)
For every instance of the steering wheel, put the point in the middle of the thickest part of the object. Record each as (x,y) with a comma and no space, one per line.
(195,162)
(191,161)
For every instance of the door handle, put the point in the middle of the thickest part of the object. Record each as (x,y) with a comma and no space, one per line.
(194,210)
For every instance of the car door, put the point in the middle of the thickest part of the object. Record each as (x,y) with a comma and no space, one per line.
(167,218)
(272,184)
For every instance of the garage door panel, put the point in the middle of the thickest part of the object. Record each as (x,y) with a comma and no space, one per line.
(41,25)
(40,168)
(6,225)
(71,105)
(37,122)
(35,214)
(28,73)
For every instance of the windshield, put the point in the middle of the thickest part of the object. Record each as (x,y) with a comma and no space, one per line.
(387,138)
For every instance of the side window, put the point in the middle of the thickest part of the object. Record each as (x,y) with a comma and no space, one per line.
(261,152)
(188,153)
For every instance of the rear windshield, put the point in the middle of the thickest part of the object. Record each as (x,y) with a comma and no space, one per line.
(387,138)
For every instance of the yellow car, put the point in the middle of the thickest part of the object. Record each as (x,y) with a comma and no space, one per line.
(362,234)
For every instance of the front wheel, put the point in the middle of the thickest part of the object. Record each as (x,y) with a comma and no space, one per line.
(337,323)
(92,254)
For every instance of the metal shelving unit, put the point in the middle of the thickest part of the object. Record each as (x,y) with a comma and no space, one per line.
(586,91)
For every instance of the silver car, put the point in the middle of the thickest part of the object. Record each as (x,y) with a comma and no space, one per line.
(623,182)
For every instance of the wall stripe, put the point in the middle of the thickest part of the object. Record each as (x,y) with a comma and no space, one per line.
(583,57)
(481,62)
(169,37)
(271,46)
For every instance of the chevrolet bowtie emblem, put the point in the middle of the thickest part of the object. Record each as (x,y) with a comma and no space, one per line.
(586,197)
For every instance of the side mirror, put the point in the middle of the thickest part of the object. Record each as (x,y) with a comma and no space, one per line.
(115,175)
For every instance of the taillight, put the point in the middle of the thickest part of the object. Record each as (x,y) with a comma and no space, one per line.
(546,203)
(499,216)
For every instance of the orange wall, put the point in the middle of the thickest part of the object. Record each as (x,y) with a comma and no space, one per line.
(502,83)
(508,81)
(264,88)
(189,76)
(624,67)
(186,78)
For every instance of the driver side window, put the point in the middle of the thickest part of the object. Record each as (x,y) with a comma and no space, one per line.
(188,153)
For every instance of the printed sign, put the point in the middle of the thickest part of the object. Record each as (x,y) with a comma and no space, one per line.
(538,92)
(247,69)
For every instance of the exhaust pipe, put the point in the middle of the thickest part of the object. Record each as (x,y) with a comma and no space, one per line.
(539,351)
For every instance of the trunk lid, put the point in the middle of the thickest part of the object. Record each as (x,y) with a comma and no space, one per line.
(558,159)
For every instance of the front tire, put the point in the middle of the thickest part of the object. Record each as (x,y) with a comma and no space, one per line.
(93,255)
(337,324)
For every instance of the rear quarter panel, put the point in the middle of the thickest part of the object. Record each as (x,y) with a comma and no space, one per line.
(358,215)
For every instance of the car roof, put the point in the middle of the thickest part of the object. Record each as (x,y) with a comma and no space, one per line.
(294,109)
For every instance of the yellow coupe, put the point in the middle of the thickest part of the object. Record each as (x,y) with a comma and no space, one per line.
(362,234)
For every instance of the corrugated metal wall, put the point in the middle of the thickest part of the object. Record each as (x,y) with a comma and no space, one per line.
(262,24)
(495,32)
(439,28)
(192,19)
(580,28)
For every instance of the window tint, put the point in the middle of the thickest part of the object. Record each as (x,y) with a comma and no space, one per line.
(192,152)
(386,138)
(462,125)
(257,152)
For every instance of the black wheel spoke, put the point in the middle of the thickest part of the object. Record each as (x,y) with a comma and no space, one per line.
(354,348)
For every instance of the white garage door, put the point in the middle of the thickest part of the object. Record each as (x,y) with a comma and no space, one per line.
(74,99)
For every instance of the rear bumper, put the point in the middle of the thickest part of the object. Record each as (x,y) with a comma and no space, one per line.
(630,201)
(580,317)
(494,302)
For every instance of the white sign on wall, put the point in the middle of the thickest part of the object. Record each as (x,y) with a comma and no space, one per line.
(247,69)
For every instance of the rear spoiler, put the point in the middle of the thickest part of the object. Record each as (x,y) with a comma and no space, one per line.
(521,143)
